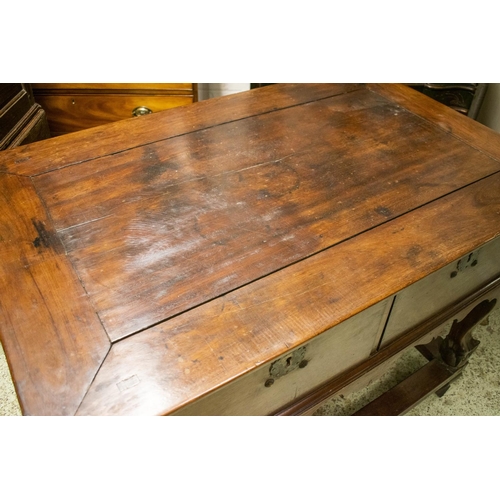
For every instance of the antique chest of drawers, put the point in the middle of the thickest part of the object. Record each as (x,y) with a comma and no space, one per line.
(71,107)
(247,255)
(22,121)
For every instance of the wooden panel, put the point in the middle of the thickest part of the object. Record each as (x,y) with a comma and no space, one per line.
(411,391)
(125,135)
(442,288)
(34,129)
(21,120)
(74,112)
(178,361)
(47,322)
(328,355)
(13,112)
(113,87)
(8,91)
(468,130)
(194,210)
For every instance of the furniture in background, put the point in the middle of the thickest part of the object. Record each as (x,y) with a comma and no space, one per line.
(258,85)
(22,121)
(214,90)
(466,98)
(77,106)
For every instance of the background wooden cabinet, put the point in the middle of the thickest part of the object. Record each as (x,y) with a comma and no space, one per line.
(21,120)
(77,106)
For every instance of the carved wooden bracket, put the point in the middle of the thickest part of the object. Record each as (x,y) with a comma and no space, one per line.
(447,357)
(459,344)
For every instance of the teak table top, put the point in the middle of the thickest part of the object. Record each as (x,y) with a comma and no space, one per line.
(148,262)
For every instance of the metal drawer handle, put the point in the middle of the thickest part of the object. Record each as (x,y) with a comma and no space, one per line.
(141,110)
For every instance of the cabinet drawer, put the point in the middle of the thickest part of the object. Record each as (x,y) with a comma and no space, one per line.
(441,289)
(171,88)
(278,383)
(12,113)
(35,128)
(31,128)
(70,113)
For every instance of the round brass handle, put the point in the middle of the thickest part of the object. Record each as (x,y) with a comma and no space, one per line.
(141,110)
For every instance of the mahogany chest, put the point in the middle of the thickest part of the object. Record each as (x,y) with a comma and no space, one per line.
(250,254)
(71,107)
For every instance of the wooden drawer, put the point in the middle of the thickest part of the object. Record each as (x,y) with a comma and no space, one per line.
(280,382)
(71,107)
(70,113)
(14,111)
(171,88)
(33,127)
(442,289)
(21,120)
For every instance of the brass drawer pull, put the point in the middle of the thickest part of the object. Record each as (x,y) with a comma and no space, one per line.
(141,110)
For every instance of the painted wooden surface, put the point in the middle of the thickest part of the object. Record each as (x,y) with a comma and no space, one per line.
(208,240)
(328,355)
(448,285)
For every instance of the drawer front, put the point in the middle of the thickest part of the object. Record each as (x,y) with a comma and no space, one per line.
(32,127)
(7,92)
(35,129)
(278,383)
(70,113)
(113,87)
(441,289)
(13,112)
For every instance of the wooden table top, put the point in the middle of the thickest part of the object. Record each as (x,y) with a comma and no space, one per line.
(148,262)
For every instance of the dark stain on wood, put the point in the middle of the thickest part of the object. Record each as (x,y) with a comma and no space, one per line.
(45,238)
(384,211)
(413,252)
(154,167)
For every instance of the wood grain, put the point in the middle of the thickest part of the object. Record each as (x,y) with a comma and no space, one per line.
(47,322)
(474,133)
(74,112)
(156,88)
(183,221)
(331,353)
(211,345)
(72,107)
(108,139)
(411,391)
